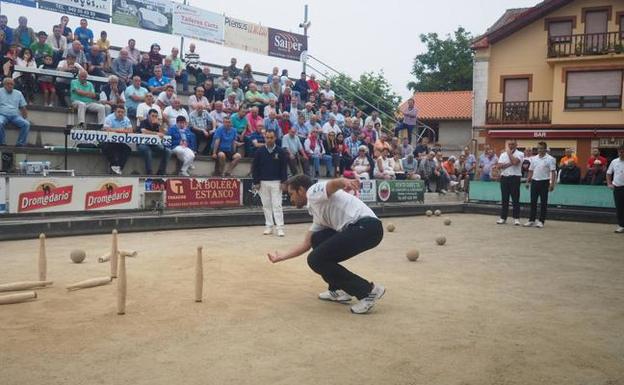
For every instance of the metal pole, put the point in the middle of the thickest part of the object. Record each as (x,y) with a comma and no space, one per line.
(182,40)
(305,28)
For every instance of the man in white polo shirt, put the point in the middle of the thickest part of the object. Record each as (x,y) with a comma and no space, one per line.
(510,164)
(542,177)
(615,181)
(342,227)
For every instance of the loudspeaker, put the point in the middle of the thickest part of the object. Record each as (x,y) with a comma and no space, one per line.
(6,164)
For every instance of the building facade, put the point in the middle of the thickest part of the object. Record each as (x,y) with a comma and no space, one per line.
(553,72)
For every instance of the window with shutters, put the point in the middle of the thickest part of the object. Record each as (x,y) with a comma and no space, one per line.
(560,31)
(594,89)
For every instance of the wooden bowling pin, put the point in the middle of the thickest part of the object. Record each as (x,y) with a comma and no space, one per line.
(42,262)
(199,275)
(93,282)
(24,285)
(17,297)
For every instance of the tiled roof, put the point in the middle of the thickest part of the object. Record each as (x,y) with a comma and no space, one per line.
(509,16)
(451,105)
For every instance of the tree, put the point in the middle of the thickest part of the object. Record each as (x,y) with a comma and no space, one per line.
(447,64)
(374,88)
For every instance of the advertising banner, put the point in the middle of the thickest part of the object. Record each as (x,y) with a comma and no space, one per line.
(368,191)
(286,45)
(246,36)
(197,23)
(92,136)
(3,195)
(153,15)
(401,191)
(25,3)
(251,197)
(92,9)
(203,192)
(40,194)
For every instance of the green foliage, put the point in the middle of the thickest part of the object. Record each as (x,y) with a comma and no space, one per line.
(447,64)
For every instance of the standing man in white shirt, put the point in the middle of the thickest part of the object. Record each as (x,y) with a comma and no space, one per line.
(342,227)
(510,164)
(615,181)
(541,179)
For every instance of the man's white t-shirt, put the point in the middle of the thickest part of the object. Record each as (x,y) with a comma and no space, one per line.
(335,212)
(327,128)
(542,167)
(616,168)
(143,110)
(513,170)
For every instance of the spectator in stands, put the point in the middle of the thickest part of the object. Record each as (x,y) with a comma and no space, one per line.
(134,95)
(487,161)
(25,82)
(171,112)
(330,126)
(169,71)
(384,166)
(144,108)
(76,50)
(65,30)
(209,92)
(202,75)
(253,119)
(112,94)
(4,47)
(422,148)
(353,145)
(382,144)
(159,83)
(327,93)
(240,96)
(591,162)
(267,94)
(95,62)
(274,74)
(198,99)
(510,164)
(122,67)
(231,105)
(6,30)
(284,123)
(144,70)
(301,128)
(313,125)
(410,118)
(596,175)
(13,110)
(271,123)
(373,118)
(46,82)
(225,145)
(363,165)
(183,144)
(313,85)
(271,107)
(63,84)
(218,113)
(470,166)
(615,181)
(239,121)
(152,126)
(340,118)
(399,173)
(117,153)
(224,81)
(410,167)
(58,42)
(133,53)
(296,152)
(84,34)
(104,45)
(568,155)
(204,127)
(275,86)
(23,35)
(341,156)
(428,170)
(193,63)
(314,149)
(253,97)
(255,141)
(450,166)
(301,87)
(285,100)
(284,76)
(246,77)
(84,98)
(40,48)
(406,148)
(570,173)
(180,68)
(232,70)
(331,155)
(154,56)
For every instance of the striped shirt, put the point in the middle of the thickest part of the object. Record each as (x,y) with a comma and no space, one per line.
(192,60)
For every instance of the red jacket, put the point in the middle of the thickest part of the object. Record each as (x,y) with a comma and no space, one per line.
(602,159)
(313,84)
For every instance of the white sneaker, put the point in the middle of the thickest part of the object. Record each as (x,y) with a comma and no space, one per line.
(367,303)
(184,173)
(280,232)
(529,224)
(268,230)
(116,169)
(501,221)
(516,222)
(335,296)
(619,230)
(539,224)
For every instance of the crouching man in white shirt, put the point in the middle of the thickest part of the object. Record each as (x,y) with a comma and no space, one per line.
(342,227)
(541,179)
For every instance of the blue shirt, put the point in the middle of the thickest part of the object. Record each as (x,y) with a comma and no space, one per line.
(132,90)
(10,103)
(353,146)
(292,144)
(302,129)
(112,122)
(8,35)
(226,138)
(271,124)
(153,82)
(83,35)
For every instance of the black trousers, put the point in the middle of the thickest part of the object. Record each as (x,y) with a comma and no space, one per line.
(116,153)
(539,189)
(331,247)
(618,197)
(510,187)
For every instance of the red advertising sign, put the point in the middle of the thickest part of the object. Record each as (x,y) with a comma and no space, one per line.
(203,193)
(45,195)
(108,195)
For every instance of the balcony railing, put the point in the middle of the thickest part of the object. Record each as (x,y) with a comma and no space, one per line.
(533,112)
(586,44)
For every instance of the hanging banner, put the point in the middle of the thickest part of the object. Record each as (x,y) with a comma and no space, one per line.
(197,23)
(286,45)
(401,191)
(25,3)
(92,9)
(246,36)
(203,192)
(154,15)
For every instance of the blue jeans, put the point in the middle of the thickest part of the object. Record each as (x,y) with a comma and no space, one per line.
(329,165)
(485,177)
(184,77)
(146,152)
(21,123)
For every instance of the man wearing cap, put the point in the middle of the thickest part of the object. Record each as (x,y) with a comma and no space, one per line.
(615,181)
(40,48)
(183,144)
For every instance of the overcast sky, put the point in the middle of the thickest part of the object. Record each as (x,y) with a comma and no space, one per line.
(353,36)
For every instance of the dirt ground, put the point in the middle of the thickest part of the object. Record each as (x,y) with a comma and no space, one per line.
(495,305)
